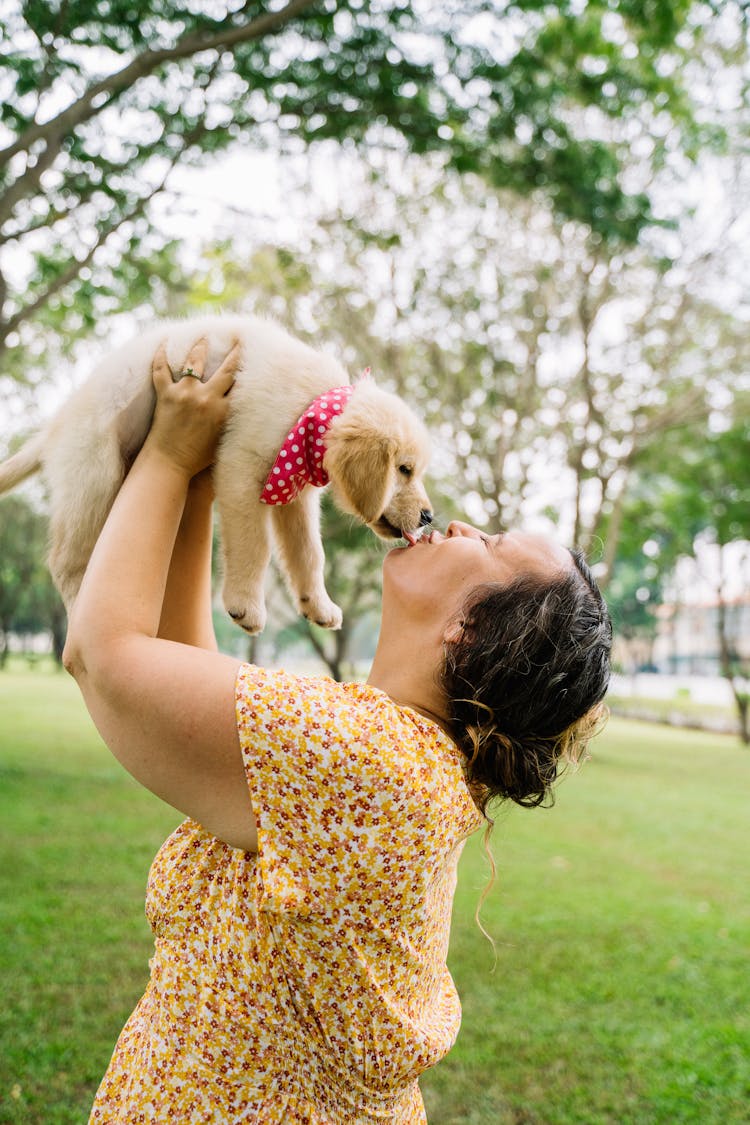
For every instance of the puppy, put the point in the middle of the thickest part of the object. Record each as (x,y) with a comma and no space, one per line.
(292,411)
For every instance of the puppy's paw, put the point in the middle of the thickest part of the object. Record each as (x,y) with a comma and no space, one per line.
(251,617)
(322,611)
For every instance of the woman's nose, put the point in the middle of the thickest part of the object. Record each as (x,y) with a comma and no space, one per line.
(456,527)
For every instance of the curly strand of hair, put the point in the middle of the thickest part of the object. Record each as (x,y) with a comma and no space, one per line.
(489,825)
(571,749)
(481,796)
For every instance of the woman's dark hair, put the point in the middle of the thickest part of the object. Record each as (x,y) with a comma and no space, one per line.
(525,679)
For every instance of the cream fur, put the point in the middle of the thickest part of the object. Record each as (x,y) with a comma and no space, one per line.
(84,451)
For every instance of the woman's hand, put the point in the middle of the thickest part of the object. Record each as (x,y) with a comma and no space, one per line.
(190,413)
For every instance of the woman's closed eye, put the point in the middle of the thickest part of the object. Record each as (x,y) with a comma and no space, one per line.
(492,540)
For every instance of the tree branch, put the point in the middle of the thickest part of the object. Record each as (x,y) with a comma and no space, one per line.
(46,77)
(44,222)
(53,131)
(332,663)
(30,181)
(688,409)
(77,264)
(63,279)
(111,168)
(27,184)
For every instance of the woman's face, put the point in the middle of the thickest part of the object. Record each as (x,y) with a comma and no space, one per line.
(429,580)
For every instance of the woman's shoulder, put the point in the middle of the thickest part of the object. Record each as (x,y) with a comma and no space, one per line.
(355,737)
(256,684)
(279,700)
(363,720)
(358,706)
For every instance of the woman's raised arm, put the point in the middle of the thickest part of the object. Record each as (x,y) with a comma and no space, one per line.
(165,709)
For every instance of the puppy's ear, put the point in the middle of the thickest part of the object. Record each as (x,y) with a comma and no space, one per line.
(359,468)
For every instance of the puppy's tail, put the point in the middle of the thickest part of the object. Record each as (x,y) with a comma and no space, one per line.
(22,464)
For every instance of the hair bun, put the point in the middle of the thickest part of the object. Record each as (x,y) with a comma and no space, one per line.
(524,681)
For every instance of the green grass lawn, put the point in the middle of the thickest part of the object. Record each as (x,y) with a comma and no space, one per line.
(621,920)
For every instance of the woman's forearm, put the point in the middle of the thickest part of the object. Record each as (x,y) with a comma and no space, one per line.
(186,612)
(123,590)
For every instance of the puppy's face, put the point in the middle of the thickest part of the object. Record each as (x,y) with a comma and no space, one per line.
(376,456)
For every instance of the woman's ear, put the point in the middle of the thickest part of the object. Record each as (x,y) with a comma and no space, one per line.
(454,631)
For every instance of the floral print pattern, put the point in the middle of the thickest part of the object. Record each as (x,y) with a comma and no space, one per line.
(307,984)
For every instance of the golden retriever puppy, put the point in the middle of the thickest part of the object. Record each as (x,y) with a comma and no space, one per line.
(295,423)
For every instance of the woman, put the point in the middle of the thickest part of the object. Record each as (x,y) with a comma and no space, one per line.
(301,914)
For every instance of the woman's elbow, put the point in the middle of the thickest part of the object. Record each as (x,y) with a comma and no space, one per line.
(72,656)
(81,646)
(87,643)
(98,656)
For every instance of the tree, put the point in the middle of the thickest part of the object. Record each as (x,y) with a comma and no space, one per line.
(353,581)
(101,102)
(546,363)
(353,565)
(633,593)
(700,489)
(29,602)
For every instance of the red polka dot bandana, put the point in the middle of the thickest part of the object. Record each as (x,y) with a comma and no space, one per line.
(300,460)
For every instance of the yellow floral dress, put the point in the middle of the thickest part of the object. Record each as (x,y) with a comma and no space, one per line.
(307,983)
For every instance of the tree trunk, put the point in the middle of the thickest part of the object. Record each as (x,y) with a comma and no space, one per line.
(252,649)
(742,700)
(334,655)
(726,661)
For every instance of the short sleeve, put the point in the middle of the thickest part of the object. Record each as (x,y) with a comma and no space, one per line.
(355,805)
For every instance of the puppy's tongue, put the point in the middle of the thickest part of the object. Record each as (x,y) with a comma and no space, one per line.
(410,537)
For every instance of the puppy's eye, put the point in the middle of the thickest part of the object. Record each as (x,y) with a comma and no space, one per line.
(405,470)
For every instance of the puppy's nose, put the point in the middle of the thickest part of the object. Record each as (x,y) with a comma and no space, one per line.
(425,517)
